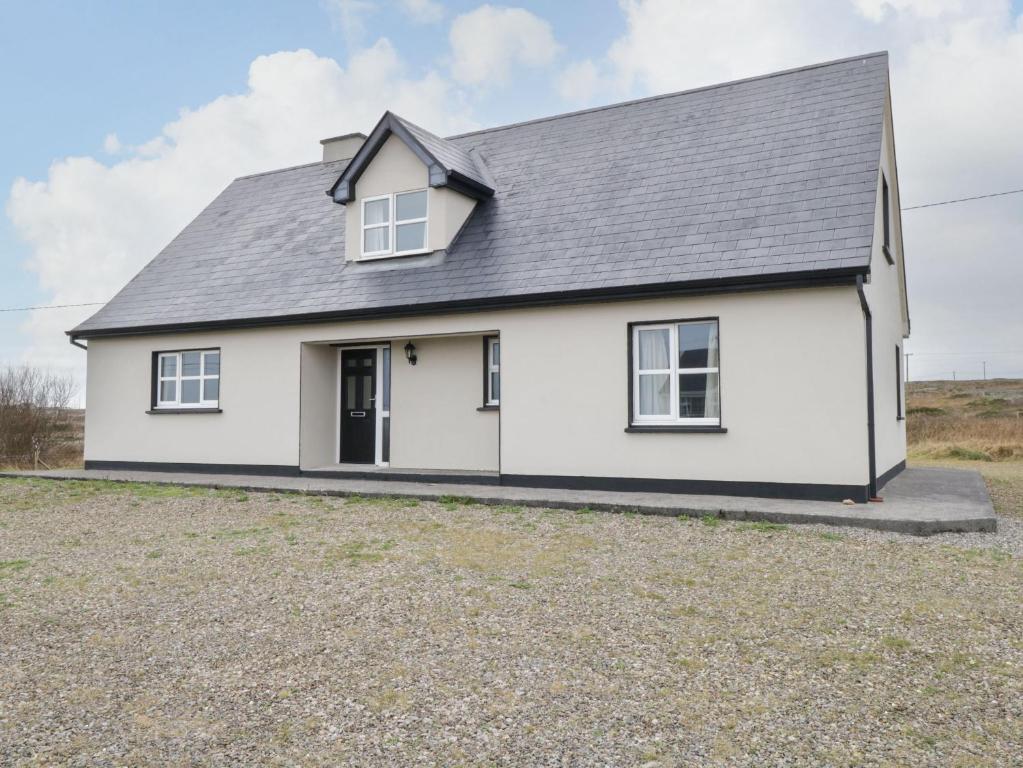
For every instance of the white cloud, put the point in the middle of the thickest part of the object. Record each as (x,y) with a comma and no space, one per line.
(487,42)
(675,44)
(876,10)
(111,144)
(423,11)
(579,82)
(349,16)
(92,226)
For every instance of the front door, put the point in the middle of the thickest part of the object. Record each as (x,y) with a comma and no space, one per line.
(358,405)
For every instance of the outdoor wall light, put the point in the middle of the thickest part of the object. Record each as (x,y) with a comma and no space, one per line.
(410,353)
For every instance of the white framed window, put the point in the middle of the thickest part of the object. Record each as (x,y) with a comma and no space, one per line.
(376,226)
(188,379)
(394,225)
(492,396)
(676,373)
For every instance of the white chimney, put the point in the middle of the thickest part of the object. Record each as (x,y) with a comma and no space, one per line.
(342,147)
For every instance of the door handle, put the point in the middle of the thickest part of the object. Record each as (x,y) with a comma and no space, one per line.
(357,414)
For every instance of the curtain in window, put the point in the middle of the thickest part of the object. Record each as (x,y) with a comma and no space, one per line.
(654,349)
(654,388)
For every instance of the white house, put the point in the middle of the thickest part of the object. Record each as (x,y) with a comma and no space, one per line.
(696,292)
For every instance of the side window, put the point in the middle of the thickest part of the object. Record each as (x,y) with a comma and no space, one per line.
(898,382)
(887,220)
(492,370)
(187,379)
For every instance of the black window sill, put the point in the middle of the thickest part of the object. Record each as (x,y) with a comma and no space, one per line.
(709,429)
(489,408)
(162,411)
(887,254)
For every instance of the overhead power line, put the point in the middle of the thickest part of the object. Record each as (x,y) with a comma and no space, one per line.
(51,306)
(964,199)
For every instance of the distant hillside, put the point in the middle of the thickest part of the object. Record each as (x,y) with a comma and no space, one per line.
(980,420)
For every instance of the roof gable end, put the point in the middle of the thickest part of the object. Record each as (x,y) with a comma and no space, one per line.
(448,165)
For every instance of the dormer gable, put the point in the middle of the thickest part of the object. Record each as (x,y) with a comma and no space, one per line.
(407,192)
(447,165)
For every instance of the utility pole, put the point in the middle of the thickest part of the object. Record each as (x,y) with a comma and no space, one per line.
(953,375)
(908,355)
(985,370)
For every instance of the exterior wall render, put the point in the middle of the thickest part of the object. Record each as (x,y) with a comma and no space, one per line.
(792,372)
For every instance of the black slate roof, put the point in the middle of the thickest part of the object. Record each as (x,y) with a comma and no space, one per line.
(759,178)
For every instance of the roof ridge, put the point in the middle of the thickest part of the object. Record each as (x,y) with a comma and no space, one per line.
(408,123)
(656,97)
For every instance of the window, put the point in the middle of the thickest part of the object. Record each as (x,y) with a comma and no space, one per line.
(886,218)
(188,379)
(492,370)
(394,225)
(676,374)
(898,383)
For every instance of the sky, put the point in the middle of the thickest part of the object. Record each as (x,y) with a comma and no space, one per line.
(123,120)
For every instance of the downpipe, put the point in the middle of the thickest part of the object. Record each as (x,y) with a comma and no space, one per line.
(868,322)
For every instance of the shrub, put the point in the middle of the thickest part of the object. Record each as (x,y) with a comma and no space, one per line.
(36,418)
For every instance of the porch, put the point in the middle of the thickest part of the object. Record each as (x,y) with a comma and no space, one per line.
(416,407)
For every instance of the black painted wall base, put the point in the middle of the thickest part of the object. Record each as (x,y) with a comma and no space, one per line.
(265,470)
(890,474)
(804,491)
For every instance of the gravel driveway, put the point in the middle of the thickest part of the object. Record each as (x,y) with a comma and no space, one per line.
(171,626)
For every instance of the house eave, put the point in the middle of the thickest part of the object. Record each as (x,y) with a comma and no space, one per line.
(845,276)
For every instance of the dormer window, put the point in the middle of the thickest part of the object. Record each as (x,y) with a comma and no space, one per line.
(394,225)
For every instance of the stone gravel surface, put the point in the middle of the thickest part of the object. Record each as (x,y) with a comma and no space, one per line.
(156,625)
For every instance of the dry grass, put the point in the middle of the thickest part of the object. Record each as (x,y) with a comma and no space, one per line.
(161,625)
(966,420)
(971,425)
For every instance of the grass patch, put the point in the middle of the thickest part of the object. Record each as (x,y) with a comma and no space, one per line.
(154,554)
(506,509)
(354,553)
(925,410)
(895,643)
(839,657)
(763,526)
(959,453)
(239,533)
(456,500)
(828,536)
(388,502)
(10,567)
(711,521)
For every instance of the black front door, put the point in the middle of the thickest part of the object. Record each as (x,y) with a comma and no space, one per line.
(358,405)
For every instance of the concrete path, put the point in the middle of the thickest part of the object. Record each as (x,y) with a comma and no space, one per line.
(918,501)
